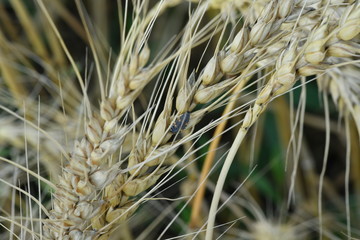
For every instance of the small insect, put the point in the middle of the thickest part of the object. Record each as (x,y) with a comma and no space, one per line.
(180,123)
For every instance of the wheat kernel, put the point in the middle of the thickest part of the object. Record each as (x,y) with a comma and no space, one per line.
(124,102)
(264,95)
(351,24)
(240,40)
(136,186)
(160,128)
(183,99)
(259,32)
(247,121)
(286,7)
(144,56)
(133,66)
(315,51)
(342,49)
(230,63)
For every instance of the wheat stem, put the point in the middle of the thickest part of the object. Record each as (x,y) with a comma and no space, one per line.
(198,199)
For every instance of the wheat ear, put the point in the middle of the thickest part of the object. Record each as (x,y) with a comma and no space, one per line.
(295,61)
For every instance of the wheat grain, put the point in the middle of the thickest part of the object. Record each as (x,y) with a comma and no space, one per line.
(282,80)
(115,206)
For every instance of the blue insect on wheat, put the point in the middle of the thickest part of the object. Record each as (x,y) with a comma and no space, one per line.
(180,123)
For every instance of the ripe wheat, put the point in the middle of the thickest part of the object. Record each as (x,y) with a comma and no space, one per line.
(101,185)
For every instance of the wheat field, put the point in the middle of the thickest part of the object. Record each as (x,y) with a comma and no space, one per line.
(180,119)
